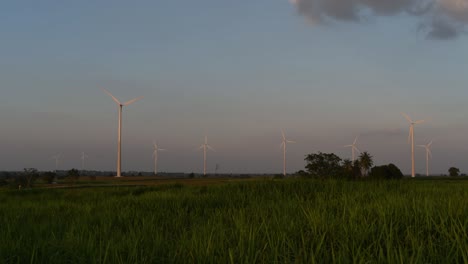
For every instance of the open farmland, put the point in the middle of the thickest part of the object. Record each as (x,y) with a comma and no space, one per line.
(266,221)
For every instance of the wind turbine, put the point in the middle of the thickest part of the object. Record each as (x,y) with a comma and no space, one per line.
(283,145)
(353,148)
(57,160)
(83,158)
(205,147)
(411,139)
(428,155)
(119,141)
(155,155)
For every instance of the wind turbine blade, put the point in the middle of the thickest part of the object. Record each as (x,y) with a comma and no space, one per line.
(419,121)
(407,117)
(282,133)
(356,148)
(113,97)
(132,101)
(290,141)
(430,143)
(355,140)
(208,146)
(282,145)
(430,153)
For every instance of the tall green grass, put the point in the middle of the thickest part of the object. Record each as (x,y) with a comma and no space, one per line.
(301,221)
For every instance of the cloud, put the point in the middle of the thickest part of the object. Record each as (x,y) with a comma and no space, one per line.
(440,19)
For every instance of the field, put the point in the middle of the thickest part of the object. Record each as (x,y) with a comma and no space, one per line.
(243,221)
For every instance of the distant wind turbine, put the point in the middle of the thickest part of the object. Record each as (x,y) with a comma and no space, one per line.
(155,155)
(119,141)
(205,147)
(83,158)
(283,146)
(411,139)
(353,148)
(428,155)
(57,160)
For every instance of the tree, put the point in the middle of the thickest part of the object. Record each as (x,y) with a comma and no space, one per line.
(49,177)
(454,172)
(73,174)
(323,165)
(348,165)
(27,178)
(366,162)
(357,171)
(389,171)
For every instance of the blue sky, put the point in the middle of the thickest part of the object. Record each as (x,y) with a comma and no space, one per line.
(237,71)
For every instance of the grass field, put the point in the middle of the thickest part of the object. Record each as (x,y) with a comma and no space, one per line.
(254,221)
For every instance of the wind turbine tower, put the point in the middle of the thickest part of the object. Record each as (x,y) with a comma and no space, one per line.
(428,155)
(283,146)
(353,148)
(155,156)
(83,158)
(205,147)
(119,140)
(411,139)
(57,161)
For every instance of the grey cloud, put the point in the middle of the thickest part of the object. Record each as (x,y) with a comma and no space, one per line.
(440,19)
(440,29)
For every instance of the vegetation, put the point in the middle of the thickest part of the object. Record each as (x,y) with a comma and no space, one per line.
(454,172)
(387,172)
(27,178)
(73,175)
(324,164)
(366,162)
(329,165)
(256,221)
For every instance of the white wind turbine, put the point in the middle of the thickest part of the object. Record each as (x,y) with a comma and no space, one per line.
(83,158)
(428,155)
(57,161)
(411,139)
(119,141)
(155,156)
(353,148)
(205,146)
(283,145)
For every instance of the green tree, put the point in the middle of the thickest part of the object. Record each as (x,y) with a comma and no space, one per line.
(73,174)
(389,171)
(348,165)
(27,178)
(323,165)
(49,177)
(366,161)
(454,172)
(357,171)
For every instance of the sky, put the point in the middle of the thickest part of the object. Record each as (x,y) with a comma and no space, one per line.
(237,72)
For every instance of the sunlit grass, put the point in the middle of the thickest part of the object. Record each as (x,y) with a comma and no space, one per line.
(260,221)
